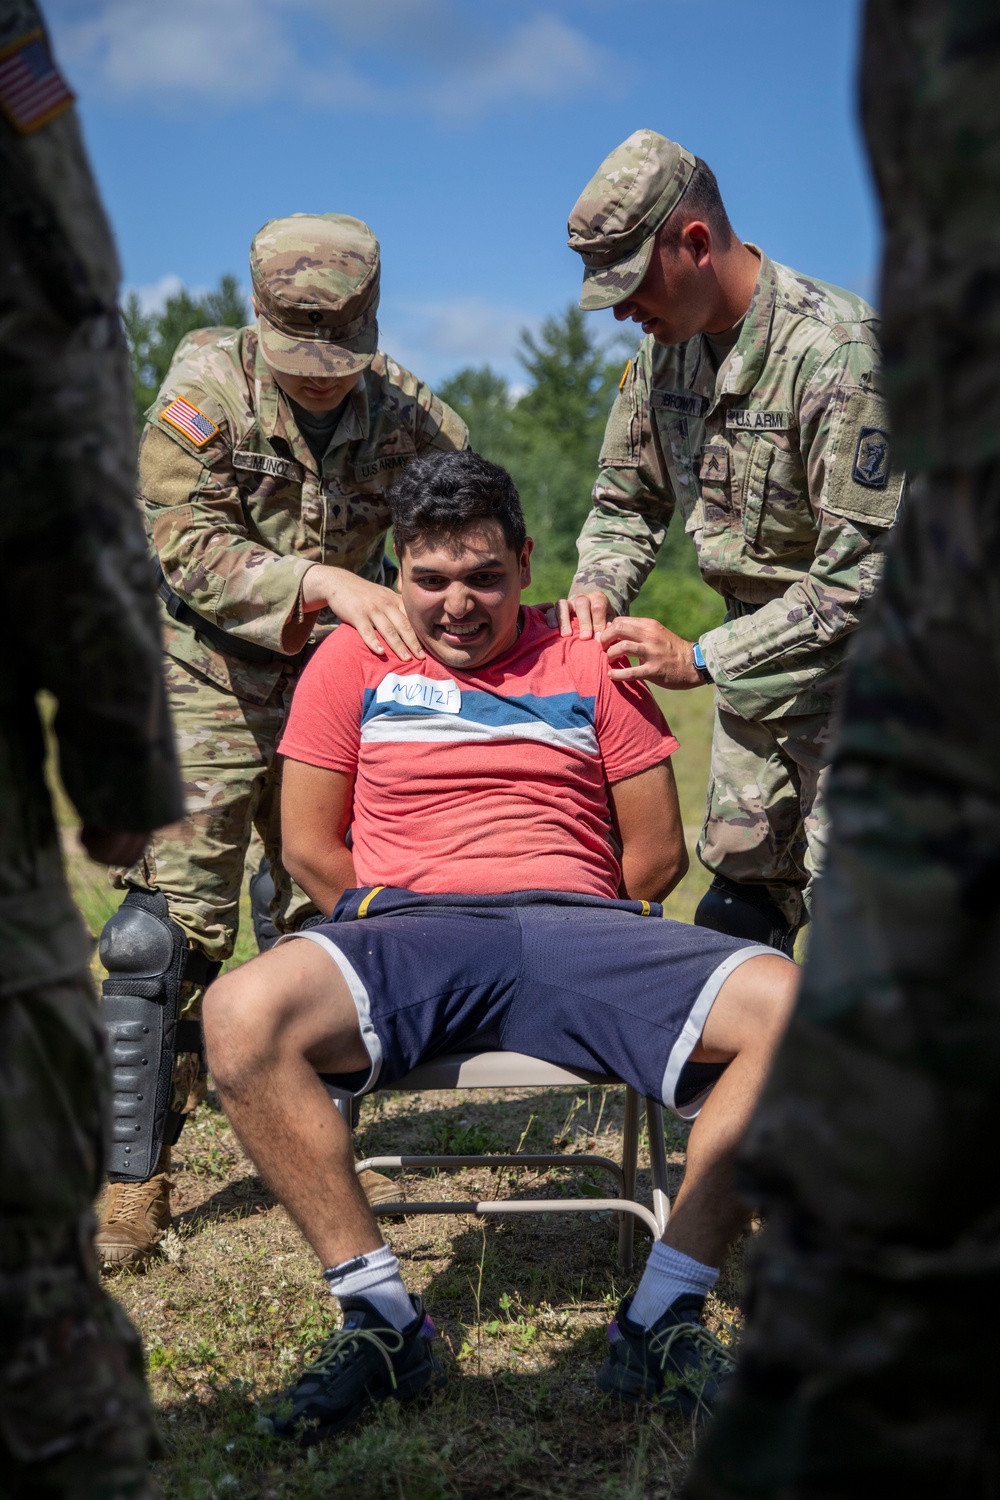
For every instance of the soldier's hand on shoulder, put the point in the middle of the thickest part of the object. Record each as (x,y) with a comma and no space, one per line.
(591,611)
(376,612)
(661,657)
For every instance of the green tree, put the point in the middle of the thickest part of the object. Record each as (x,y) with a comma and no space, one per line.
(482,399)
(558,426)
(550,437)
(572,381)
(154,336)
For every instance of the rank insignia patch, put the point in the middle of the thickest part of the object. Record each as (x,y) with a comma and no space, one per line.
(194,424)
(871,461)
(714,464)
(32,89)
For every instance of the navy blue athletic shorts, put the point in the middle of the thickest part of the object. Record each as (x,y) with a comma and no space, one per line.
(606,986)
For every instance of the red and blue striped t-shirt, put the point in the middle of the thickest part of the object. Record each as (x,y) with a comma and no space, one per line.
(485,781)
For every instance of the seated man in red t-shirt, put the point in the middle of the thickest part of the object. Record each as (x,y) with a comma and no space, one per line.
(507,764)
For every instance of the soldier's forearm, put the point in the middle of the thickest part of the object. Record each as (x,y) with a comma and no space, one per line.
(244,588)
(762,660)
(318,583)
(618,546)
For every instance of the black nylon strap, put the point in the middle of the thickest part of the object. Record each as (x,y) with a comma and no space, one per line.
(188,1038)
(199,969)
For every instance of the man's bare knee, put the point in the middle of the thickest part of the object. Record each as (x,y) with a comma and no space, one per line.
(752,1009)
(238,1022)
(286,1006)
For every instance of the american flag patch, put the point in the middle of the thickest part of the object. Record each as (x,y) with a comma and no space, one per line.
(32,89)
(188,419)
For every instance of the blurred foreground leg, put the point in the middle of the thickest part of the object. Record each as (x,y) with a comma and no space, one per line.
(75,1417)
(864,1366)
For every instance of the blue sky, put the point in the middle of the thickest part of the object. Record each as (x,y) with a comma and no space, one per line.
(462,132)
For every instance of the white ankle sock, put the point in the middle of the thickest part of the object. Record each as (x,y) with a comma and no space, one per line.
(374,1276)
(669,1274)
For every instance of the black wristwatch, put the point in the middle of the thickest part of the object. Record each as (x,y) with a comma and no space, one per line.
(699,662)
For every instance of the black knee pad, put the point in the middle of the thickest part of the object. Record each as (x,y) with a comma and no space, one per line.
(147,958)
(744,911)
(261,896)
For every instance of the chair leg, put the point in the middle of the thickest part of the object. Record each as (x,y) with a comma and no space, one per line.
(630,1157)
(351,1111)
(658,1163)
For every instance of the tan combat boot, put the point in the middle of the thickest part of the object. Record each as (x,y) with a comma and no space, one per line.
(132,1217)
(378,1188)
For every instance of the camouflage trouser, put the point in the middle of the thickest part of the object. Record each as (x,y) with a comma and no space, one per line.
(232,785)
(869,1361)
(75,1416)
(765,822)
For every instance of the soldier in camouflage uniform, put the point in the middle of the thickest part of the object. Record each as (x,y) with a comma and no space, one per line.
(754,405)
(263,472)
(868,1366)
(79,621)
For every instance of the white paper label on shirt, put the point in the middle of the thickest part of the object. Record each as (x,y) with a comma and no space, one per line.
(443,697)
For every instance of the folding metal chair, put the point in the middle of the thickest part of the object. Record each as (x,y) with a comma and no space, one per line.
(510,1070)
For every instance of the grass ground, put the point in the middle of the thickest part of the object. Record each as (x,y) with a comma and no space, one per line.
(522,1305)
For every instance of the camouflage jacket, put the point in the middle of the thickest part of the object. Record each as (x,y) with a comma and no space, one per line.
(237,517)
(779,461)
(77,611)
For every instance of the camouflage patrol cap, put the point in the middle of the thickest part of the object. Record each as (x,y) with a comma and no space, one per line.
(316,284)
(615,218)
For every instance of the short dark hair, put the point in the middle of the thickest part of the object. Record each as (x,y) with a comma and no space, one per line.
(442,494)
(701,200)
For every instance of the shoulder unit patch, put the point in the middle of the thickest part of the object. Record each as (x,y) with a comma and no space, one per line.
(196,427)
(32,89)
(861,483)
(871,458)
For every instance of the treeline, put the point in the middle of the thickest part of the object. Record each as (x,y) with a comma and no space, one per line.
(548,435)
(154,336)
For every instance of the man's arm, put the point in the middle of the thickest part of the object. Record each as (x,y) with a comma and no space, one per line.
(647,819)
(199,531)
(316,808)
(200,534)
(761,661)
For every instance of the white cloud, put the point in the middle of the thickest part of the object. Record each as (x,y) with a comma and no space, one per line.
(434,339)
(443,57)
(543,59)
(153,297)
(223,52)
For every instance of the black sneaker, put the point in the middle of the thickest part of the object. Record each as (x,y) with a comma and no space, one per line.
(364,1363)
(677,1364)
